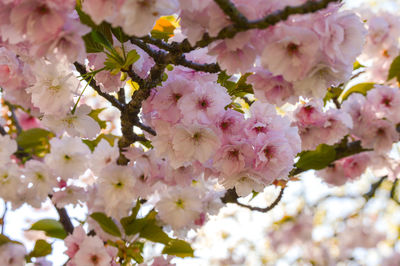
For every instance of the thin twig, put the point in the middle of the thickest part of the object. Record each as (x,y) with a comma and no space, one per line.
(82,70)
(393,194)
(231,11)
(14,118)
(2,131)
(374,187)
(3,218)
(263,23)
(121,96)
(146,128)
(231,197)
(65,220)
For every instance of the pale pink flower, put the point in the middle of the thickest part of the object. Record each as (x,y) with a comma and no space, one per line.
(53,90)
(321,77)
(39,21)
(232,157)
(68,157)
(230,123)
(116,184)
(103,155)
(7,147)
(333,175)
(78,124)
(234,60)
(67,43)
(107,81)
(244,182)
(204,103)
(101,10)
(336,126)
(42,179)
(12,254)
(385,102)
(270,88)
(343,36)
(69,195)
(10,181)
(92,252)
(10,69)
(354,166)
(274,157)
(194,142)
(74,241)
(140,15)
(291,52)
(167,98)
(27,121)
(379,135)
(179,207)
(309,114)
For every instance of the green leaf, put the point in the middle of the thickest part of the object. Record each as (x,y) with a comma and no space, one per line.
(33,137)
(35,141)
(223,80)
(85,18)
(98,37)
(133,226)
(119,34)
(95,115)
(394,70)
(362,88)
(106,223)
(134,251)
(178,248)
(357,65)
(151,231)
(91,45)
(128,223)
(4,240)
(237,89)
(333,93)
(146,143)
(51,227)
(41,249)
(105,29)
(131,58)
(320,158)
(92,144)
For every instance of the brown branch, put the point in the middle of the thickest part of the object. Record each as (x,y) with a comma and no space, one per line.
(231,11)
(231,197)
(121,96)
(263,23)
(174,57)
(3,218)
(82,70)
(2,131)
(374,187)
(146,128)
(65,220)
(393,194)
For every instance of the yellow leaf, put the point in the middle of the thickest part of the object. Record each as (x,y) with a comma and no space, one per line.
(133,85)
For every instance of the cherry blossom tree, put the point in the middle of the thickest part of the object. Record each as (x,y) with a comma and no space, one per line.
(152,116)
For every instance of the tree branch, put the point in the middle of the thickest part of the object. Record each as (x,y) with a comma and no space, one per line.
(65,220)
(174,57)
(263,23)
(231,197)
(374,188)
(2,131)
(82,70)
(146,128)
(231,11)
